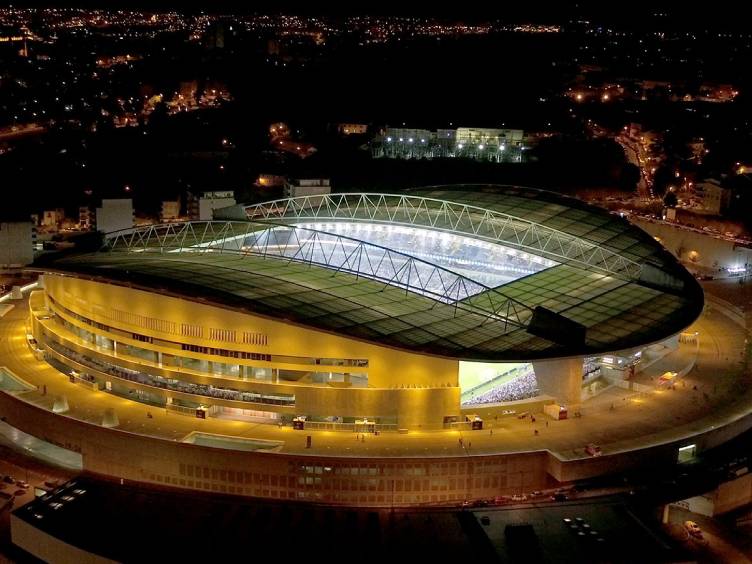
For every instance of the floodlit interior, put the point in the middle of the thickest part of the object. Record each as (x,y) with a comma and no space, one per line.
(489,264)
(494,382)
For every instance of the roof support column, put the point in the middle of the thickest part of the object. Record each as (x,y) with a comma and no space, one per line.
(561,379)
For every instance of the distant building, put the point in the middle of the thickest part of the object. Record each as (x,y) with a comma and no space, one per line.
(478,143)
(202,207)
(298,148)
(170,210)
(489,137)
(712,197)
(269,180)
(52,219)
(307,187)
(85,218)
(710,92)
(115,214)
(279,130)
(17,239)
(352,128)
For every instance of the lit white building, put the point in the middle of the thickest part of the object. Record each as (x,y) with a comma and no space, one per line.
(489,136)
(478,143)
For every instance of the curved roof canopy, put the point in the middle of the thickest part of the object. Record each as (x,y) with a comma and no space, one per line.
(484,273)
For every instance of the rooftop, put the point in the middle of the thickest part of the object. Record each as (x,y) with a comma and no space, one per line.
(484,273)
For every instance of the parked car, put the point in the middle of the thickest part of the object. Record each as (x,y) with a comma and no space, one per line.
(519,497)
(559,497)
(9,479)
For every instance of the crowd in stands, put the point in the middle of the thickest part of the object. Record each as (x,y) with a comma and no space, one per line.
(526,386)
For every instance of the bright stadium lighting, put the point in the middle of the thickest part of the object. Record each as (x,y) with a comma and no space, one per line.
(489,264)
(480,146)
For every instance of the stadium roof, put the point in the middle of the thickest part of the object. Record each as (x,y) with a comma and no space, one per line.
(605,285)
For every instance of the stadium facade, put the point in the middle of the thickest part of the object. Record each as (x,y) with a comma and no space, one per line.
(366,312)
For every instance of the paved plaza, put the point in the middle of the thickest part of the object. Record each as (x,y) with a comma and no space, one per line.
(713,393)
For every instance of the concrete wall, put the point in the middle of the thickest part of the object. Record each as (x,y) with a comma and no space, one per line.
(49,548)
(732,495)
(114,215)
(16,243)
(349,480)
(419,390)
(693,247)
(561,379)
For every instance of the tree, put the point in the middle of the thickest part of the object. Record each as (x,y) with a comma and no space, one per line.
(670,200)
(629,177)
(663,177)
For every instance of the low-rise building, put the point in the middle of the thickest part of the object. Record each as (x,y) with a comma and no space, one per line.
(52,219)
(712,197)
(352,128)
(478,143)
(115,215)
(17,239)
(202,207)
(269,180)
(307,187)
(86,218)
(170,210)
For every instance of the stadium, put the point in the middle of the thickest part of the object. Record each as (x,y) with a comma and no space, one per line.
(411,317)
(399,310)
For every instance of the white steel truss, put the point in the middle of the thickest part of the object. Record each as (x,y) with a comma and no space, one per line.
(453,217)
(335,252)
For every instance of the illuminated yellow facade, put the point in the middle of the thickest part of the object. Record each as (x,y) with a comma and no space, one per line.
(317,374)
